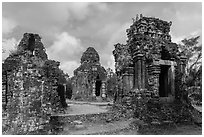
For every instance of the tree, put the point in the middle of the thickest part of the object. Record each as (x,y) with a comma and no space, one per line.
(193,51)
(111,85)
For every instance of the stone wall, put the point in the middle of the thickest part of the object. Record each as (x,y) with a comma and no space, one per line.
(33,96)
(148,50)
(87,75)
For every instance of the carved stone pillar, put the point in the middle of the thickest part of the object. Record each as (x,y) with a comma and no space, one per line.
(172,79)
(131,77)
(125,82)
(94,89)
(155,72)
(135,75)
(103,89)
(139,76)
(143,72)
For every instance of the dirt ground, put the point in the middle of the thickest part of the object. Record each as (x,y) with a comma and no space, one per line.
(121,127)
(180,130)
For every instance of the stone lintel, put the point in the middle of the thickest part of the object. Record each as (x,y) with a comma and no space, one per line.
(127,74)
(165,62)
(138,56)
(183,57)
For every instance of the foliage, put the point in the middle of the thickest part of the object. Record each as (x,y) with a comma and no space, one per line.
(122,56)
(193,51)
(111,85)
(16,51)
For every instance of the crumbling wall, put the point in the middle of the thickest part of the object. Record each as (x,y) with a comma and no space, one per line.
(34,95)
(85,75)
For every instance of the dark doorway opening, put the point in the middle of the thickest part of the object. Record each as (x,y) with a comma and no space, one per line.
(68,90)
(31,43)
(165,55)
(61,94)
(98,86)
(164,87)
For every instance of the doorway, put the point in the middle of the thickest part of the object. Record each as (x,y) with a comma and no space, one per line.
(98,86)
(61,94)
(164,86)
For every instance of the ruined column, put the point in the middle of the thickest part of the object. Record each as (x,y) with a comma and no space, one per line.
(103,89)
(131,77)
(94,89)
(124,81)
(172,76)
(139,63)
(138,70)
(155,72)
(136,75)
(143,72)
(139,73)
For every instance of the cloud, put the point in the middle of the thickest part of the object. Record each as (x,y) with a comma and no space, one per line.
(178,39)
(8,45)
(48,17)
(118,36)
(65,47)
(67,28)
(83,9)
(69,67)
(7,25)
(79,10)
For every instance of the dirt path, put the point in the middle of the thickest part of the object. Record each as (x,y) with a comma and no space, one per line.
(121,127)
(80,107)
(77,108)
(96,128)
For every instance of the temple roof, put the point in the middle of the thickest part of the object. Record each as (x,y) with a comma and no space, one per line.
(149,36)
(90,64)
(29,46)
(90,55)
(32,42)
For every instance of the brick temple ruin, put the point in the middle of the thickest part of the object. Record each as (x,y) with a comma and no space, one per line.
(89,81)
(30,87)
(148,62)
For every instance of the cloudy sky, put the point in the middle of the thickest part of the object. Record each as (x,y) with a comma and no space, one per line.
(67,29)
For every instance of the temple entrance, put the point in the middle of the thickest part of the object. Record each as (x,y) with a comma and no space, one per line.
(61,94)
(164,86)
(98,86)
